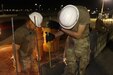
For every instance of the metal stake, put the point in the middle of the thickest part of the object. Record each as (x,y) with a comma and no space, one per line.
(13,44)
(38,50)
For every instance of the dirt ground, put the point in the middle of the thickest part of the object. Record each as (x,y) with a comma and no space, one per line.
(6,64)
(6,61)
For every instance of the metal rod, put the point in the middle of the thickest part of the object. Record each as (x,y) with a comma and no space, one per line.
(49,52)
(49,57)
(38,50)
(13,45)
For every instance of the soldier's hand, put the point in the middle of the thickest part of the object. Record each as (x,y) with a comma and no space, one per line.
(49,36)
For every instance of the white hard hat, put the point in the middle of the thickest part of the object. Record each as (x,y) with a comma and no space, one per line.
(68,16)
(36,18)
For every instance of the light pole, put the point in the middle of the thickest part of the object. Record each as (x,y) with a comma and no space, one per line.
(102,8)
(39,7)
(2,8)
(103,4)
(36,6)
(61,6)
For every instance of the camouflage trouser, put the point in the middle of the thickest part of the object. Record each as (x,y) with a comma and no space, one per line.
(29,65)
(81,53)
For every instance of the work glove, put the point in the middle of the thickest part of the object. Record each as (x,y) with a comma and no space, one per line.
(49,36)
(53,25)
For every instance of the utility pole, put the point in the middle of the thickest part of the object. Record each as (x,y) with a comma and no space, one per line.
(2,6)
(102,7)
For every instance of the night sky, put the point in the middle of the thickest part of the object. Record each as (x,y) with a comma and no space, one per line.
(52,3)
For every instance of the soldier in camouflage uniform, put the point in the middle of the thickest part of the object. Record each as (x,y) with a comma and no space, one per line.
(77,48)
(25,40)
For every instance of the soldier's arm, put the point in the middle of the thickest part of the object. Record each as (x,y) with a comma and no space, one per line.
(58,34)
(74,34)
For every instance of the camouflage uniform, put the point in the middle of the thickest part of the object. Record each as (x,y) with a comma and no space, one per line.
(78,49)
(26,39)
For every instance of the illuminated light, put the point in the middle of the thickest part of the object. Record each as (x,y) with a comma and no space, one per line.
(46,45)
(106,0)
(51,45)
(40,6)
(35,4)
(103,4)
(61,6)
(108,21)
(88,10)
